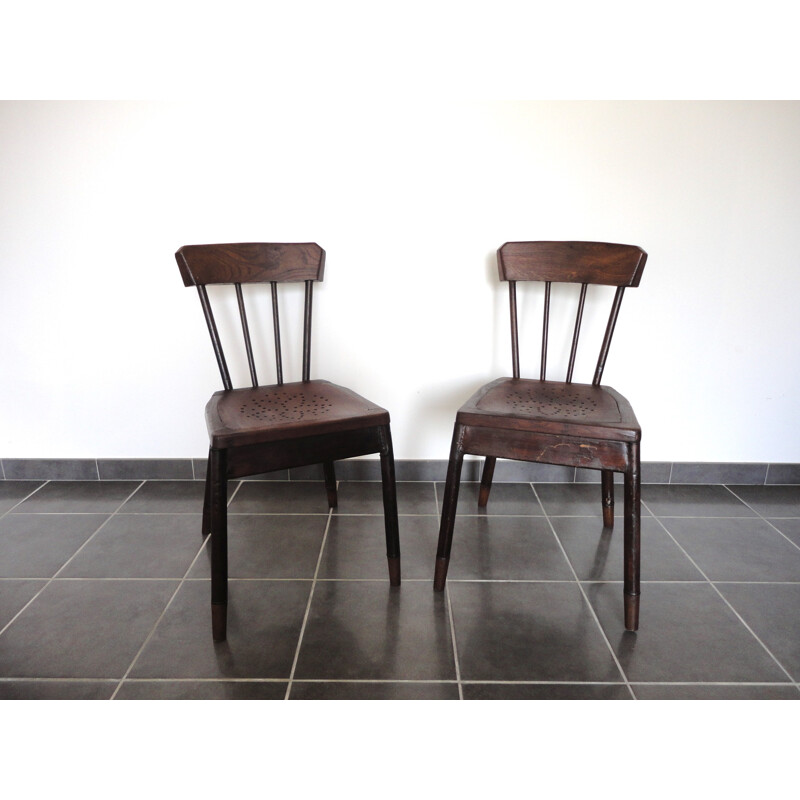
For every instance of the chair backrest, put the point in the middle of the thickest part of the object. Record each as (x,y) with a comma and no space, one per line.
(253,262)
(585,263)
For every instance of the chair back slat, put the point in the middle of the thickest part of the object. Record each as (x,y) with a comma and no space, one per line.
(545,329)
(246,331)
(578,318)
(215,341)
(585,263)
(253,262)
(612,321)
(276,327)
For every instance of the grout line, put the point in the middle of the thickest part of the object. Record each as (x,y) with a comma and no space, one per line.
(725,599)
(61,568)
(586,598)
(764,519)
(308,604)
(165,609)
(158,621)
(20,502)
(455,643)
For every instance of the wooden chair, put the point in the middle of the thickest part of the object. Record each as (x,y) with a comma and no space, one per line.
(555,422)
(268,427)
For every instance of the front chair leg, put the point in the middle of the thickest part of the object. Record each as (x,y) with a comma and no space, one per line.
(390,507)
(449,504)
(218,478)
(632,539)
(206,524)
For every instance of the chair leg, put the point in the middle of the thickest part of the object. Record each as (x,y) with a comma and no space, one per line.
(632,538)
(330,484)
(390,507)
(206,524)
(449,504)
(218,474)
(607,485)
(486,481)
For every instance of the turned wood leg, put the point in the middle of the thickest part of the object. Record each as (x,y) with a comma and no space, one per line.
(607,487)
(449,504)
(390,507)
(632,539)
(218,474)
(486,481)
(330,484)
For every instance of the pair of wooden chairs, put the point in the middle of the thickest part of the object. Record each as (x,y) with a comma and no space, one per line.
(284,425)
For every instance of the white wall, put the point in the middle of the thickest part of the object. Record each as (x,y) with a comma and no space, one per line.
(105,353)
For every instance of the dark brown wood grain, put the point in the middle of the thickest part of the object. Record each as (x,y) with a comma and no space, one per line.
(572,262)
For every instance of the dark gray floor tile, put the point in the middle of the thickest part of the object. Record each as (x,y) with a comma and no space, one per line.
(57,469)
(771,501)
(578,500)
(140,469)
(14,492)
(546,691)
(355,548)
(596,552)
(202,690)
(686,633)
(711,691)
(365,497)
(139,546)
(422,470)
(13,596)
(347,690)
(528,632)
(789,528)
(82,629)
(264,622)
(771,611)
(693,501)
(269,546)
(714,473)
(737,549)
(505,499)
(169,497)
(506,548)
(367,630)
(38,545)
(78,497)
(56,690)
(280,497)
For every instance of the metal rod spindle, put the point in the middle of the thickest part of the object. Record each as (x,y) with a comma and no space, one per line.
(307,332)
(215,340)
(246,331)
(578,319)
(612,321)
(512,298)
(276,326)
(545,326)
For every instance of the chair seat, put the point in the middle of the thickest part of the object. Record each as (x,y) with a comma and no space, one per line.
(290,411)
(552,407)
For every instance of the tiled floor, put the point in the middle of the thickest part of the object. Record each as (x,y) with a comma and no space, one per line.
(104,594)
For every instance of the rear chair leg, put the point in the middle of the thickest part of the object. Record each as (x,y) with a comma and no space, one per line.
(390,507)
(330,484)
(607,486)
(486,481)
(632,539)
(449,510)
